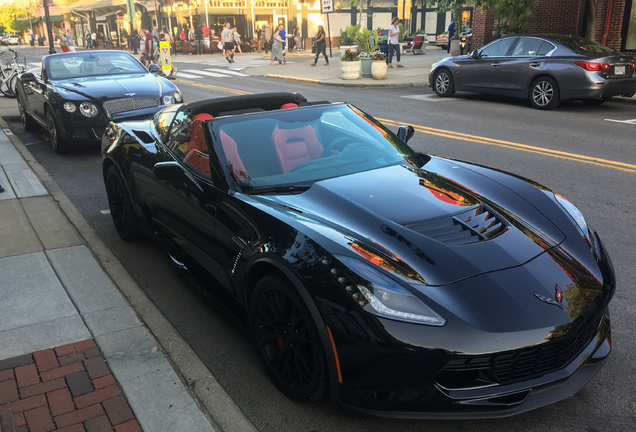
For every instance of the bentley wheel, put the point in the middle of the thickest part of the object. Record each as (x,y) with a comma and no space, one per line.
(59,145)
(27,121)
(544,94)
(443,84)
(288,340)
(121,207)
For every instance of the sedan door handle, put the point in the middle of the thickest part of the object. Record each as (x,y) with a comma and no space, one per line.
(496,64)
(535,64)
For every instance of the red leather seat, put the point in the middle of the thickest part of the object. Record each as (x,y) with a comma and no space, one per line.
(296,146)
(197,151)
(232,155)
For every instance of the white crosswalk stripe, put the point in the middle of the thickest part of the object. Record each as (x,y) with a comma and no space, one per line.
(204,72)
(227,71)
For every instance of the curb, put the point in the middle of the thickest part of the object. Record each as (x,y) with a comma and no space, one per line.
(212,400)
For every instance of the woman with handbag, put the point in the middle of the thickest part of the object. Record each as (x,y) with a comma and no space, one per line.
(321,46)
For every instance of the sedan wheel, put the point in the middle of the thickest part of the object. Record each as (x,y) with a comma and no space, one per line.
(288,340)
(27,121)
(121,207)
(443,84)
(59,145)
(544,94)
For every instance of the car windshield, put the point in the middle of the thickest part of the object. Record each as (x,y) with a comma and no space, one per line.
(584,46)
(91,64)
(290,149)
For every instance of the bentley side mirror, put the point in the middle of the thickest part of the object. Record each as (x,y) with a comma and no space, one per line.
(405,133)
(28,77)
(155,69)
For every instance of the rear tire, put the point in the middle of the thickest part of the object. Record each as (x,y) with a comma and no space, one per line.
(544,94)
(443,83)
(28,122)
(5,86)
(121,206)
(288,340)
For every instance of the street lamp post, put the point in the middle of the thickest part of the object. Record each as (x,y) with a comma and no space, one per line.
(48,25)
(130,5)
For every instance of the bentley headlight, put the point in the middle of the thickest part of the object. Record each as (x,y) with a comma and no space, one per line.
(167,100)
(177,96)
(380,295)
(88,109)
(70,107)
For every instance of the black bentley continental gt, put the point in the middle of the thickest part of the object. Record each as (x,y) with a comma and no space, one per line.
(397,283)
(77,94)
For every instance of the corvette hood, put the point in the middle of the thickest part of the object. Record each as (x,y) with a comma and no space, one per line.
(443,225)
(114,86)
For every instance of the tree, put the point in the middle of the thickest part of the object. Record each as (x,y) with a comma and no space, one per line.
(512,15)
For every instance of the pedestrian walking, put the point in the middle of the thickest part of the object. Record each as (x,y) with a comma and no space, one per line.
(321,46)
(198,34)
(89,42)
(70,43)
(206,37)
(237,40)
(277,49)
(394,42)
(227,36)
(259,38)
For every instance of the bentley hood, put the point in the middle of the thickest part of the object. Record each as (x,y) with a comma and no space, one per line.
(437,226)
(112,87)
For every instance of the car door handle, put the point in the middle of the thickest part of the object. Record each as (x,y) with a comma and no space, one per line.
(535,64)
(496,64)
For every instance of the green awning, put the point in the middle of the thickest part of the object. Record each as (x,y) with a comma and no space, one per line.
(56,18)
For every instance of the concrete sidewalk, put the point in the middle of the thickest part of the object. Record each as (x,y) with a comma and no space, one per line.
(81,346)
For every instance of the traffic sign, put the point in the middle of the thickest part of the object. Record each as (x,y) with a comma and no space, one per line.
(327,6)
(164,48)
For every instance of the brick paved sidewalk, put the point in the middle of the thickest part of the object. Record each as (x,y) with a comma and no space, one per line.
(67,389)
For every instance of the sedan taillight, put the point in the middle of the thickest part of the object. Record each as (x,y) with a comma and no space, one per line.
(591,66)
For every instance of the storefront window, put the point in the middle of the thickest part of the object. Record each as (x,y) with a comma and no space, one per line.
(630,24)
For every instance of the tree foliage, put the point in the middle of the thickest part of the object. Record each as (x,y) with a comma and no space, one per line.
(512,15)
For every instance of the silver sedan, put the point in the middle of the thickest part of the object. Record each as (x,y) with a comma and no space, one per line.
(543,69)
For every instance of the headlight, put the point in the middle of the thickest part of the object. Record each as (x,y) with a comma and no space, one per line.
(177,96)
(70,107)
(88,109)
(381,295)
(167,100)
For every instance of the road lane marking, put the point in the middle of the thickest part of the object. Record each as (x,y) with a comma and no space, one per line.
(227,71)
(187,75)
(105,212)
(620,166)
(213,87)
(633,121)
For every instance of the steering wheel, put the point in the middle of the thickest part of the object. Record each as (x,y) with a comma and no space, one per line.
(116,69)
(336,145)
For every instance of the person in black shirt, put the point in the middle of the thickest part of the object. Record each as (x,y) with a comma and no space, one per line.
(198,33)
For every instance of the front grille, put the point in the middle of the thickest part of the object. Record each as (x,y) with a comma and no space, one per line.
(471,226)
(128,104)
(88,133)
(512,366)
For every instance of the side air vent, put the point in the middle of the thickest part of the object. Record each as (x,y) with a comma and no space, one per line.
(471,226)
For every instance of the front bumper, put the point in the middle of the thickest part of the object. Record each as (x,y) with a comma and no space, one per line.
(493,401)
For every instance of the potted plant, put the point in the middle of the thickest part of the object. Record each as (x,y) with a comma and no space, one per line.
(364,41)
(349,39)
(350,65)
(379,66)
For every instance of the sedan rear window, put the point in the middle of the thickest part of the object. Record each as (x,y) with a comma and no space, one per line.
(584,46)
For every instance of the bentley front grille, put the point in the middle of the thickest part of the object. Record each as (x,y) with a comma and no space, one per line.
(129,104)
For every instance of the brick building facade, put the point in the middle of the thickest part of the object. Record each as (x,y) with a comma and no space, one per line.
(568,17)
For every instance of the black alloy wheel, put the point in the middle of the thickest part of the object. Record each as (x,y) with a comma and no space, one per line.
(59,145)
(28,122)
(288,340)
(443,83)
(544,93)
(121,207)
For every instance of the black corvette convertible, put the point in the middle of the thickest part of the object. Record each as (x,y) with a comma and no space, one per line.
(77,94)
(397,283)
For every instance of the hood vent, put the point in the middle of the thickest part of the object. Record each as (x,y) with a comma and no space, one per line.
(471,226)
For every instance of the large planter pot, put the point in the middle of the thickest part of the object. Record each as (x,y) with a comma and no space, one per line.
(378,69)
(354,48)
(350,70)
(365,67)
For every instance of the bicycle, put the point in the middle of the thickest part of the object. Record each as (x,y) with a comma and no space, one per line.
(9,72)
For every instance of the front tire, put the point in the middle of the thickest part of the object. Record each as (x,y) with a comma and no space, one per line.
(121,206)
(544,94)
(288,340)
(443,83)
(59,145)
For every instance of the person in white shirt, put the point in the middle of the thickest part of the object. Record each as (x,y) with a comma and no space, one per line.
(394,42)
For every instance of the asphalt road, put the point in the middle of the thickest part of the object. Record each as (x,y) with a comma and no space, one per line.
(587,154)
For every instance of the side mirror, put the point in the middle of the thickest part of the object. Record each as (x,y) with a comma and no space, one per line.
(474,54)
(155,69)
(28,77)
(405,133)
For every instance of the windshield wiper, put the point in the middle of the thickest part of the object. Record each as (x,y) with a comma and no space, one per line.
(277,189)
